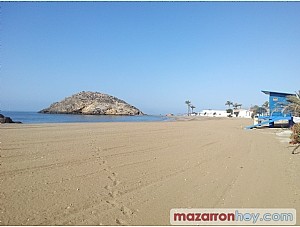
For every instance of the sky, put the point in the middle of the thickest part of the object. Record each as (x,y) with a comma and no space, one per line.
(153,55)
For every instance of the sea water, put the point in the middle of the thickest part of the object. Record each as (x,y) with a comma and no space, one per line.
(36,118)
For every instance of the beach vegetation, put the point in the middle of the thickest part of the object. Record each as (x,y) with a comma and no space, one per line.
(193,107)
(294,107)
(295,137)
(229,111)
(237,106)
(228,103)
(259,110)
(294,104)
(266,105)
(188,103)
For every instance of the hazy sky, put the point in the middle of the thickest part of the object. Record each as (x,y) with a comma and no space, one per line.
(154,55)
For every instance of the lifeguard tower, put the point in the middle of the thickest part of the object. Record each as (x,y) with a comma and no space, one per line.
(277,110)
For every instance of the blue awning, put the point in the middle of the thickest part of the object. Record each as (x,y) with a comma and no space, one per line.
(277,93)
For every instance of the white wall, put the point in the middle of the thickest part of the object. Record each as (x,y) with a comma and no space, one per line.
(222,113)
(244,113)
(213,113)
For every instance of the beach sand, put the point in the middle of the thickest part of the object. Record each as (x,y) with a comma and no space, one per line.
(134,173)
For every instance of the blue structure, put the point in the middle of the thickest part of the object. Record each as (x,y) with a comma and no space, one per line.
(277,104)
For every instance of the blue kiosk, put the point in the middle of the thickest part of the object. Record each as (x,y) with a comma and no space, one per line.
(277,104)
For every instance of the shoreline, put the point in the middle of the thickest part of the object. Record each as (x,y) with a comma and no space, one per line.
(40,118)
(133,173)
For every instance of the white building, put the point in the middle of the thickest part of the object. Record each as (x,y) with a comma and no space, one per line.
(242,113)
(214,113)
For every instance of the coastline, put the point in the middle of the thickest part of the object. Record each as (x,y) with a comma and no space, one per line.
(133,173)
(49,118)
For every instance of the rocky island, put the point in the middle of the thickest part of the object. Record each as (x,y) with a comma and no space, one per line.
(92,103)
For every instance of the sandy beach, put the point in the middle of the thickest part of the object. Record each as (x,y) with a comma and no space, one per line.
(134,173)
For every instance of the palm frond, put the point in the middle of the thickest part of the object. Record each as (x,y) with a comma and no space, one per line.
(294,104)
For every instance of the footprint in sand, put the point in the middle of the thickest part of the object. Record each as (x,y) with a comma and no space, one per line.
(121,222)
(113,194)
(113,203)
(112,178)
(126,211)
(107,169)
(116,182)
(108,187)
(104,161)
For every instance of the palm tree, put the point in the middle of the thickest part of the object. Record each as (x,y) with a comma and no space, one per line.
(294,103)
(266,105)
(261,110)
(193,107)
(188,106)
(235,106)
(228,103)
(294,106)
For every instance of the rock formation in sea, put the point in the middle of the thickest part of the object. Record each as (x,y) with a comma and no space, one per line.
(92,103)
(4,119)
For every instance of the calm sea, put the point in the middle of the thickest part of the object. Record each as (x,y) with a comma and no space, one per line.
(33,117)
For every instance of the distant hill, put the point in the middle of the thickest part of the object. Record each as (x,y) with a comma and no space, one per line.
(92,103)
